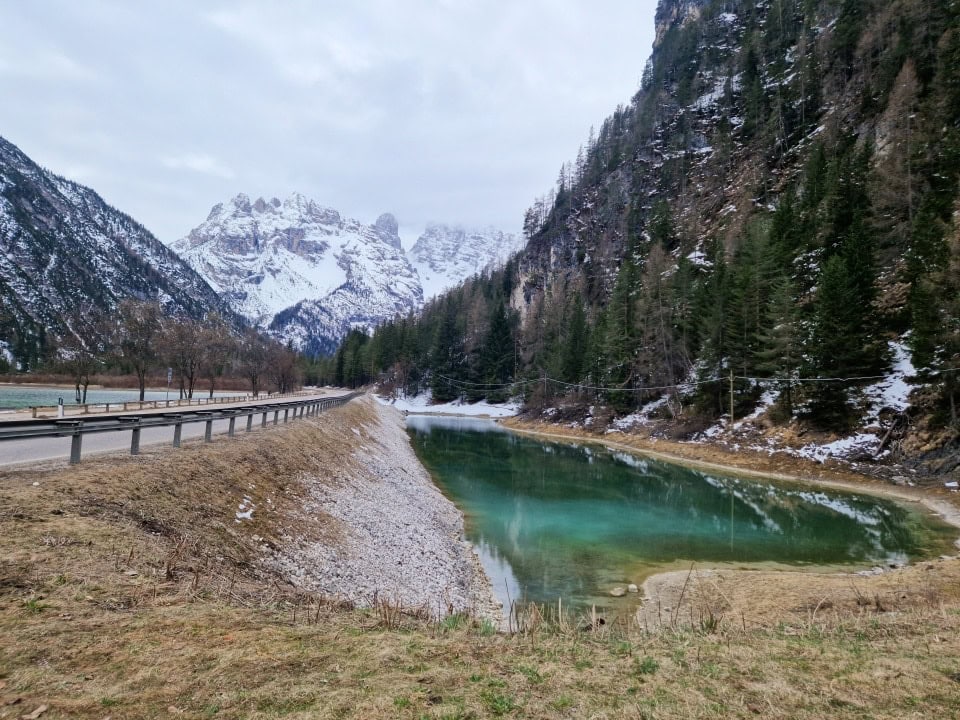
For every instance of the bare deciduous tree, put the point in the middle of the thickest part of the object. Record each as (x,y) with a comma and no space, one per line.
(139,333)
(284,370)
(219,349)
(254,359)
(183,348)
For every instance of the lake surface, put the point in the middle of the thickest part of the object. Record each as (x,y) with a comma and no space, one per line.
(20,396)
(573,521)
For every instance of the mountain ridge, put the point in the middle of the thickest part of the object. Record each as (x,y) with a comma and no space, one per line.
(767,225)
(300,269)
(66,254)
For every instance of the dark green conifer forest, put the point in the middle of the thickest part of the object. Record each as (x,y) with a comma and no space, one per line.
(774,210)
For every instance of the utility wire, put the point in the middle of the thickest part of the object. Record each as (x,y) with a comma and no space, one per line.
(692,383)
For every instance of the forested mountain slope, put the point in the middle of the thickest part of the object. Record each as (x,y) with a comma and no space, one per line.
(775,209)
(67,258)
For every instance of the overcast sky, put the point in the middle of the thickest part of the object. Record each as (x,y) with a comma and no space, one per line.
(442,111)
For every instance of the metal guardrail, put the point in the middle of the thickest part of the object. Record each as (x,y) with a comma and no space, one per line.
(77,428)
(125,406)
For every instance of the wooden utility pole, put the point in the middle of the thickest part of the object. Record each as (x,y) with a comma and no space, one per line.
(731,397)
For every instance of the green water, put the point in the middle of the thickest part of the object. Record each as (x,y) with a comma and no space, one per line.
(559,520)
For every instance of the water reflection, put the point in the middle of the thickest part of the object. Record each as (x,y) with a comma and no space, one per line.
(553,519)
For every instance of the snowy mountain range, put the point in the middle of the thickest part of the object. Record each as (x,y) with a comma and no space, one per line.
(310,275)
(444,256)
(295,268)
(302,270)
(66,254)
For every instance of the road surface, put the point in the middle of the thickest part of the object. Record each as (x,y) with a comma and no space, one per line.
(42,449)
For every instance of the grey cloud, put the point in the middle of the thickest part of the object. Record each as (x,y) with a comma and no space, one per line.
(435,111)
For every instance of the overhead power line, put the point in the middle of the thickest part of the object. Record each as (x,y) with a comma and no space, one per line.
(466,384)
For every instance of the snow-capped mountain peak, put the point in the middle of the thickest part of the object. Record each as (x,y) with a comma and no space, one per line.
(445,255)
(302,269)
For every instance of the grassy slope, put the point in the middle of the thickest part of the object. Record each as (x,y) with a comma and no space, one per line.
(127,590)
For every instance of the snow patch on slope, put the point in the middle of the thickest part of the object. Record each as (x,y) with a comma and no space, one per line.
(422,405)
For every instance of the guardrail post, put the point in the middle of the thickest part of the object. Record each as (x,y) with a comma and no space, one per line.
(134,422)
(208,424)
(233,422)
(276,416)
(286,412)
(75,442)
(263,422)
(178,425)
(76,439)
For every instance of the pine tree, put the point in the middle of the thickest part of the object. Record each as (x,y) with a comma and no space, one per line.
(836,346)
(779,355)
(497,356)
(711,303)
(446,355)
(661,228)
(785,236)
(748,288)
(621,336)
(574,352)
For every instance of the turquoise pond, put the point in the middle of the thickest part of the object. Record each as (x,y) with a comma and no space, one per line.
(556,520)
(21,396)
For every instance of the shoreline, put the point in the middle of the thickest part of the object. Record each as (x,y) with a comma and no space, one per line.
(938,506)
(671,594)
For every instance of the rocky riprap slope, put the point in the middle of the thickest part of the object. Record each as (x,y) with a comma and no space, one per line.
(401,541)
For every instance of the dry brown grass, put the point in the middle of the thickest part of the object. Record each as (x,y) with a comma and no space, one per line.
(128,591)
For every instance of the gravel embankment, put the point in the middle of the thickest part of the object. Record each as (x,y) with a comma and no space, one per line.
(402,540)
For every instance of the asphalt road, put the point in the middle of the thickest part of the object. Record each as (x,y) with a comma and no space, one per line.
(42,449)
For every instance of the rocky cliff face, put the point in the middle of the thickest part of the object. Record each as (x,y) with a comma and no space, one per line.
(65,253)
(302,270)
(446,255)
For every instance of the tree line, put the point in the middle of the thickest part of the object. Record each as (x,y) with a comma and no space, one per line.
(140,338)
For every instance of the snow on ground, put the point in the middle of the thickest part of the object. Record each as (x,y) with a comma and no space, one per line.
(844,447)
(891,392)
(245,509)
(421,404)
(894,390)
(640,417)
(699,259)
(768,398)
